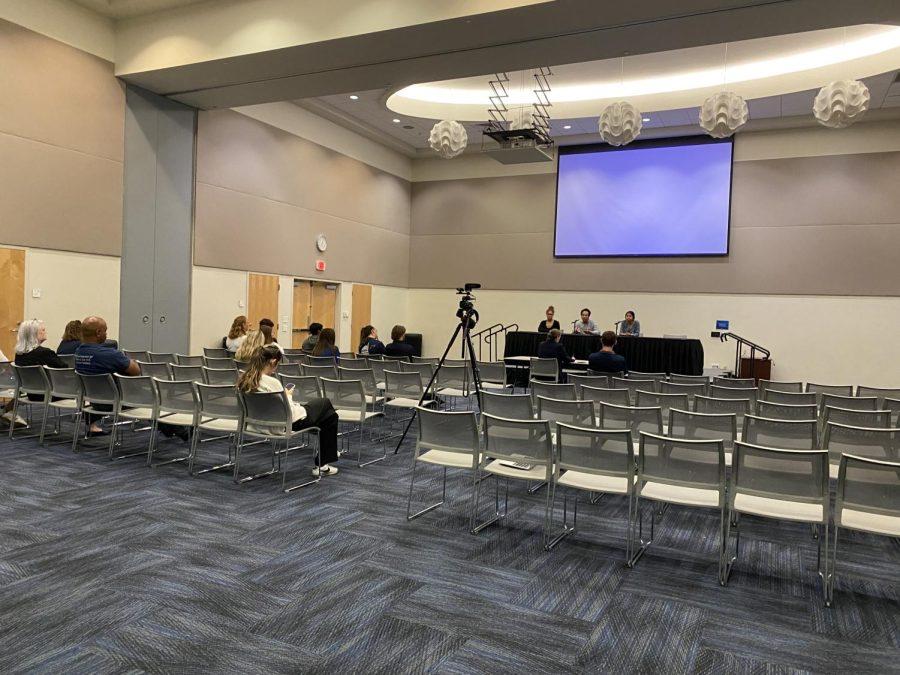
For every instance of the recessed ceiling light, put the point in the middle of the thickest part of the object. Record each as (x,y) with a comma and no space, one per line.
(396,121)
(354,97)
(567,126)
(645,119)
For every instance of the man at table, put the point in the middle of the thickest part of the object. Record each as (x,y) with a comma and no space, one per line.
(586,326)
(606,360)
(552,348)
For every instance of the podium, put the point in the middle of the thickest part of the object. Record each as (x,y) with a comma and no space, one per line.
(759,369)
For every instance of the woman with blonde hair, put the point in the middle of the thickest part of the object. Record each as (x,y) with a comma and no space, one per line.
(550,323)
(251,342)
(259,376)
(236,335)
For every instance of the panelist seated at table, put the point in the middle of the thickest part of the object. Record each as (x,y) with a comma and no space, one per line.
(586,326)
(552,348)
(630,326)
(606,360)
(550,323)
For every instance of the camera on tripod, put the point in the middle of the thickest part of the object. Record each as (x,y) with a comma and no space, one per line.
(467,304)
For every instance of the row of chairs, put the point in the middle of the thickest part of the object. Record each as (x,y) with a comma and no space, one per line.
(766,481)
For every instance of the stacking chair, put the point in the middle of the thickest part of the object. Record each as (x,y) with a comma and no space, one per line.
(517,449)
(765,385)
(404,390)
(351,404)
(161,357)
(510,406)
(216,353)
(378,368)
(675,378)
(68,359)
(786,411)
(705,426)
(877,419)
(600,373)
(65,396)
(879,393)
(395,359)
(184,360)
(740,407)
(138,402)
(790,397)
(780,484)
(689,390)
(611,416)
(892,404)
(591,460)
(367,377)
(290,369)
(293,352)
(321,360)
(306,387)
(219,363)
(267,417)
(96,390)
(601,381)
(7,380)
(375,357)
(751,393)
(448,440)
(843,439)
(219,376)
(137,355)
(848,402)
(734,382)
(543,369)
(678,471)
(238,364)
(329,371)
(29,380)
(192,373)
(454,382)
(786,434)
(425,359)
(819,389)
(656,377)
(868,500)
(297,356)
(551,390)
(158,370)
(601,395)
(426,370)
(575,413)
(493,376)
(176,403)
(218,412)
(353,362)
(665,402)
(634,385)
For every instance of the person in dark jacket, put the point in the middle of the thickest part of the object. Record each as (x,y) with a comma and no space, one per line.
(369,342)
(552,348)
(71,338)
(606,360)
(398,345)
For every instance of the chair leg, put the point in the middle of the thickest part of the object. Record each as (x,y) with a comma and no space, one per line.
(566,529)
(478,527)
(152,446)
(732,521)
(644,545)
(76,430)
(830,570)
(43,423)
(427,508)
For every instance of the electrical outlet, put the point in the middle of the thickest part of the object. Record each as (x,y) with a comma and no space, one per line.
(35,292)
(345,315)
(241,304)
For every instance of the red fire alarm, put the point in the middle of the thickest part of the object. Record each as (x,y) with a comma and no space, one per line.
(320,265)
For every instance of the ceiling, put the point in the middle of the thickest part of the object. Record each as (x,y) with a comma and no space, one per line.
(126,9)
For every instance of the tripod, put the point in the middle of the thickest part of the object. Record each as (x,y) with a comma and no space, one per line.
(467,319)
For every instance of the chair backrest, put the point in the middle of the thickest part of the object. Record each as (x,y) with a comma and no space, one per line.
(607,452)
(217,401)
(791,475)
(543,368)
(161,357)
(327,370)
(839,389)
(7,379)
(64,382)
(735,382)
(292,351)
(843,439)
(590,381)
(289,368)
(157,370)
(403,384)
(786,411)
(611,416)
(238,364)
(426,370)
(365,375)
(31,379)
(375,357)
(601,395)
(683,462)
(638,375)
(218,376)
(306,387)
(633,386)
(765,385)
(320,360)
(689,379)
(219,362)
(749,393)
(344,394)
(297,356)
(454,377)
(892,404)
(99,389)
(576,413)
(688,389)
(685,424)
(136,392)
(869,485)
(185,360)
(878,419)
(266,410)
(68,359)
(378,368)
(395,359)
(176,396)
(880,393)
(849,402)
(192,373)
(790,397)
(739,406)
(449,432)
(648,399)
(527,441)
(511,406)
(493,372)
(353,362)
(603,373)
(787,434)
(137,355)
(551,390)
(216,353)
(425,359)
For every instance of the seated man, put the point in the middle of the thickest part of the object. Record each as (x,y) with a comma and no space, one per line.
(552,348)
(586,326)
(310,342)
(606,360)
(398,345)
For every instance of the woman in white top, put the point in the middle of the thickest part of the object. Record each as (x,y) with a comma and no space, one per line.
(236,335)
(318,412)
(253,340)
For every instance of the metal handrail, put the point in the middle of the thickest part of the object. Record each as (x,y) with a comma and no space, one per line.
(740,342)
(493,348)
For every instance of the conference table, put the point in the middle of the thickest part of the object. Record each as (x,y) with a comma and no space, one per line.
(645,354)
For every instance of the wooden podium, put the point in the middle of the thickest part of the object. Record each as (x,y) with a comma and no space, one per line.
(759,369)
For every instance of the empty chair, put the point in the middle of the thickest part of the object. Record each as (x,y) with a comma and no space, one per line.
(354,362)
(611,416)
(404,389)
(517,449)
(290,368)
(588,381)
(551,390)
(877,419)
(137,355)
(185,360)
(647,399)
(219,413)
(600,373)
(425,370)
(656,377)
(138,402)
(843,439)
(848,402)
(29,380)
(735,382)
(780,484)
(777,385)
(240,365)
(892,404)
(600,395)
(493,375)
(839,389)
(320,360)
(68,359)
(787,434)
(219,376)
(446,440)
(555,410)
(790,397)
(676,378)
(454,382)
(216,353)
(292,352)
(704,426)
(879,393)
(510,406)
(65,395)
(301,389)
(367,377)
(425,359)
(378,368)
(191,373)
(176,403)
(740,407)
(678,471)
(689,390)
(219,362)
(349,400)
(591,460)
(786,411)
(734,392)
(100,397)
(297,356)
(543,369)
(327,370)
(867,500)
(634,385)
(161,357)
(158,370)
(395,359)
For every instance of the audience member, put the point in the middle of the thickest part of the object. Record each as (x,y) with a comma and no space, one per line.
(267,328)
(310,342)
(71,338)
(630,326)
(606,360)
(237,334)
(325,345)
(317,412)
(252,341)
(586,326)
(398,345)
(369,342)
(30,350)
(552,348)
(550,323)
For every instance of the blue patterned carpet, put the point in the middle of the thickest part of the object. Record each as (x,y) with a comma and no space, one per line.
(112,567)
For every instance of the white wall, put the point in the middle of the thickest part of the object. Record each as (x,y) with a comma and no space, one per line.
(217,296)
(820,339)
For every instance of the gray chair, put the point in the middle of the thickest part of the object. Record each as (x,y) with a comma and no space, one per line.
(735,392)
(689,390)
(551,390)
(216,353)
(217,376)
(892,404)
(158,370)
(290,369)
(601,395)
(351,404)
(510,406)
(649,399)
(786,411)
(839,389)
(848,402)
(677,378)
(580,381)
(493,376)
(321,360)
(329,371)
(191,373)
(880,393)
(96,390)
(218,413)
(353,362)
(705,426)
(740,407)
(656,377)
(367,377)
(29,380)
(177,406)
(219,363)
(65,396)
(303,388)
(425,370)
(576,413)
(137,355)
(138,403)
(543,369)
(786,434)
(160,357)
(454,382)
(790,397)
(648,419)
(734,382)
(633,386)
(765,385)
(425,359)
(843,439)
(185,360)
(403,390)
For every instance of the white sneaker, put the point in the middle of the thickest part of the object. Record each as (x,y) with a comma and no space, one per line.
(327,470)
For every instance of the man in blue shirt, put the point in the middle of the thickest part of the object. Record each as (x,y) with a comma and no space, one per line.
(606,360)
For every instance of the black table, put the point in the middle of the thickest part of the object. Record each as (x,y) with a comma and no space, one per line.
(645,354)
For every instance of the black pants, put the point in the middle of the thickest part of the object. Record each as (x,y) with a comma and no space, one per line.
(320,413)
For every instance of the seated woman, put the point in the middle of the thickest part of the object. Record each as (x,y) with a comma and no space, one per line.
(318,412)
(630,326)
(550,323)
(369,342)
(325,345)
(398,345)
(29,352)
(252,341)
(237,334)
(71,338)
(267,328)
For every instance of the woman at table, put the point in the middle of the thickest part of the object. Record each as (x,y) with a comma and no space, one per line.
(550,323)
(630,326)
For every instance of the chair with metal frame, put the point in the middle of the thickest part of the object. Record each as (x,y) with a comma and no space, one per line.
(177,406)
(649,399)
(632,386)
(378,368)
(367,377)
(517,449)
(447,440)
(780,484)
(819,389)
(677,378)
(740,407)
(550,390)
(647,419)
(493,376)
(181,373)
(425,370)
(777,385)
(597,381)
(305,387)
(138,402)
(893,405)
(216,353)
(880,393)
(425,359)
(186,360)
(786,411)
(158,370)
(321,360)
(656,377)
(789,397)
(219,363)
(403,390)
(395,359)
(867,500)
(290,369)
(593,461)
(30,380)
(681,471)
(297,356)
(96,390)
(575,413)
(750,394)
(161,357)
(353,362)
(734,382)
(848,402)
(68,359)
(602,395)
(454,382)
(545,369)
(510,406)
(218,376)
(787,434)
(689,390)
(218,412)
(65,396)
(877,419)
(292,352)
(843,439)
(705,426)
(137,354)
(351,404)
(319,370)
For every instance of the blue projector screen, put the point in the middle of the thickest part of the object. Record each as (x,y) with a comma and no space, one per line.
(653,198)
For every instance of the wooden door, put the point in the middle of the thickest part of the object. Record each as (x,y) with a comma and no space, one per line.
(360,312)
(302,298)
(323,304)
(12,297)
(262,299)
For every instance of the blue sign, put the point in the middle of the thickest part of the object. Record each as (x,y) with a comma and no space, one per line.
(721,325)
